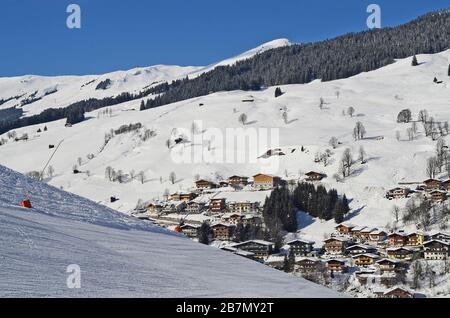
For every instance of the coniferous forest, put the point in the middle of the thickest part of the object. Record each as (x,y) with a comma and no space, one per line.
(281,207)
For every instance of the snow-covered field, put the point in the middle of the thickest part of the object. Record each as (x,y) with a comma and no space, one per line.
(118,256)
(377,97)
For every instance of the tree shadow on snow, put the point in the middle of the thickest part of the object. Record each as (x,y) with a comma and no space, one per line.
(353,213)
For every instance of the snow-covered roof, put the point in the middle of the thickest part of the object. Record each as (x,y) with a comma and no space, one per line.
(299,240)
(222,224)
(436,241)
(260,242)
(436,232)
(398,234)
(371,255)
(349,225)
(377,232)
(401,288)
(312,259)
(361,246)
(358,228)
(368,230)
(393,249)
(341,239)
(390,260)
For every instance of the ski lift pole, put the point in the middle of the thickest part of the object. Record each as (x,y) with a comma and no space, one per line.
(51,157)
(26,203)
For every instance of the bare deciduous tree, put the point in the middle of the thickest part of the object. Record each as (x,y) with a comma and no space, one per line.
(109,172)
(50,171)
(333,142)
(351,111)
(396,213)
(359,131)
(423,116)
(243,119)
(141,176)
(172,177)
(362,155)
(432,167)
(346,163)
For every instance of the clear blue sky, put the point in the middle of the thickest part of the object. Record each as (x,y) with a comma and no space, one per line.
(121,34)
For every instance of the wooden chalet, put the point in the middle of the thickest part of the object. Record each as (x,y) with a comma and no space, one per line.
(396,292)
(432,184)
(364,234)
(232,218)
(356,231)
(300,247)
(261,249)
(377,236)
(360,249)
(238,181)
(387,265)
(398,193)
(223,232)
(335,245)
(415,239)
(336,265)
(190,231)
(265,182)
(313,176)
(365,259)
(205,184)
(308,264)
(155,208)
(401,253)
(436,250)
(441,236)
(217,205)
(194,207)
(397,239)
(344,229)
(243,207)
(438,195)
(186,197)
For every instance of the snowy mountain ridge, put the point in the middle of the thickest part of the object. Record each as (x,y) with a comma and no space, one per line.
(61,91)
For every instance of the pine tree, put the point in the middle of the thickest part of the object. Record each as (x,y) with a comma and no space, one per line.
(449,70)
(278,92)
(203,233)
(414,61)
(289,262)
(346,207)
(338,212)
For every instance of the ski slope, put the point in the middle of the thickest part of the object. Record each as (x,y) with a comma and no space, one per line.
(377,97)
(118,255)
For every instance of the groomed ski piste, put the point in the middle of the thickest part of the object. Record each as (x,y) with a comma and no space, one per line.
(118,256)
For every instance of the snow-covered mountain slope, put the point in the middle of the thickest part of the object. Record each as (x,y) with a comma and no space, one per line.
(118,255)
(243,56)
(377,97)
(61,91)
